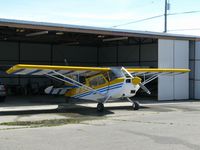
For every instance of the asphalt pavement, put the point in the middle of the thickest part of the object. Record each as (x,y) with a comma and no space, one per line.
(158,126)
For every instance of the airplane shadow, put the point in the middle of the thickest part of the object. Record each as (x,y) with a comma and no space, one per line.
(77,110)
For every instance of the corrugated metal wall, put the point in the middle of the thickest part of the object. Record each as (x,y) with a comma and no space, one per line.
(195,67)
(33,53)
(133,55)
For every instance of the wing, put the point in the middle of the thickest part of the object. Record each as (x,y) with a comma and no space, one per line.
(61,73)
(24,69)
(66,73)
(150,74)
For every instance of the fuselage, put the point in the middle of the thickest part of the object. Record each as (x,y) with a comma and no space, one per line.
(114,88)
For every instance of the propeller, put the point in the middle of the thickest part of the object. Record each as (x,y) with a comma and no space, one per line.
(144,88)
(136,80)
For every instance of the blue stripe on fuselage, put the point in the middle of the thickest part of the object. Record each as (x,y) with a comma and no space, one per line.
(100,90)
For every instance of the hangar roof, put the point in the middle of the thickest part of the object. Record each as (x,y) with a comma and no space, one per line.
(20,30)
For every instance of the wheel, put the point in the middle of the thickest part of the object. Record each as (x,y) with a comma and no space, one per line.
(136,105)
(100,107)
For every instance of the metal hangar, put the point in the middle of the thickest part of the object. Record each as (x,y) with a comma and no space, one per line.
(28,42)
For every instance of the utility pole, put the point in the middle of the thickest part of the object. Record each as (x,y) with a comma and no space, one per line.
(165,14)
(167,7)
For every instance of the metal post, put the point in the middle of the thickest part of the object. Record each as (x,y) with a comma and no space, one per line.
(51,54)
(165,30)
(117,54)
(98,55)
(140,43)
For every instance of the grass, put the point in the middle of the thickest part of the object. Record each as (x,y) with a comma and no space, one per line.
(45,123)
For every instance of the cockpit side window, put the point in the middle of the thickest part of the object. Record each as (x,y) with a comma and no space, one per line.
(97,80)
(112,76)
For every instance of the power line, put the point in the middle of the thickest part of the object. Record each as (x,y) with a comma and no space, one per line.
(158,16)
(186,12)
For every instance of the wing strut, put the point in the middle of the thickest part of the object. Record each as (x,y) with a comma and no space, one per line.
(73,82)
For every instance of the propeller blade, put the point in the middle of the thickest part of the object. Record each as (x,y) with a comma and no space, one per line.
(128,73)
(137,79)
(144,88)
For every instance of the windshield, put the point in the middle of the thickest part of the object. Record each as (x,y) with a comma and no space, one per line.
(115,73)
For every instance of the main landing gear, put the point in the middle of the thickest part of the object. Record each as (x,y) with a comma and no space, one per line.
(100,107)
(136,105)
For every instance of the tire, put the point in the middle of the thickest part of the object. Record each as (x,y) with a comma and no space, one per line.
(100,107)
(136,106)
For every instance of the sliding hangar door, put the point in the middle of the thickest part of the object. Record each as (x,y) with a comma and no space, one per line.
(173,54)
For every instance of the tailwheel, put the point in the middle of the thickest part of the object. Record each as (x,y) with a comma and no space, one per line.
(136,105)
(100,107)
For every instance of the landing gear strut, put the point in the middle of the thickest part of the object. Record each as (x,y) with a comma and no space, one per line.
(100,107)
(135,104)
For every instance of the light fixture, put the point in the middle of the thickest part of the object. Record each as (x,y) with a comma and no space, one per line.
(20,30)
(100,36)
(37,33)
(59,33)
(115,39)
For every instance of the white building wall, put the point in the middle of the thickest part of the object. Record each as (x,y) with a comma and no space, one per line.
(165,60)
(181,60)
(173,54)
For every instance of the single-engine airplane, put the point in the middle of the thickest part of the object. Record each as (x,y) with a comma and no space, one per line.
(99,84)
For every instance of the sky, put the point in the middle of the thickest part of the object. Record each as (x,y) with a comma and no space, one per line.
(108,13)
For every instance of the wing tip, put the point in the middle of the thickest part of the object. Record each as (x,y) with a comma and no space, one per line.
(13,69)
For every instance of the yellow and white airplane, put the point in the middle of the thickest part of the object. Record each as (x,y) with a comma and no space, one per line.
(99,84)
